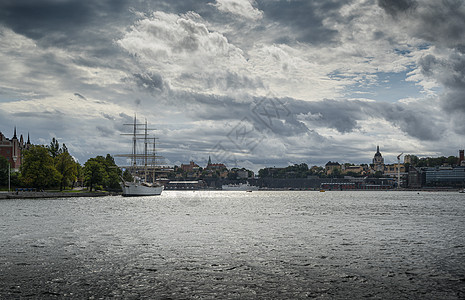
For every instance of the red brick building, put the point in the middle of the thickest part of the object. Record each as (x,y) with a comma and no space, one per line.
(190,167)
(211,166)
(12,149)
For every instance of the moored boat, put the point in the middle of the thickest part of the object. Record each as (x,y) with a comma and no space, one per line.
(142,167)
(141,189)
(239,187)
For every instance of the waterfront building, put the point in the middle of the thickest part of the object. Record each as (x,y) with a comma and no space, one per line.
(332,167)
(360,170)
(185,185)
(415,177)
(378,161)
(12,149)
(391,170)
(445,176)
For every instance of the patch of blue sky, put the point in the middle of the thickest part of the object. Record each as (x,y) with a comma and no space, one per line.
(402,51)
(386,87)
(424,46)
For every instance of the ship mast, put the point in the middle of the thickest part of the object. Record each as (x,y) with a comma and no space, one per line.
(153,161)
(134,151)
(145,151)
(141,161)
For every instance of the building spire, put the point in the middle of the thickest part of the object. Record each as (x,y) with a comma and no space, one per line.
(14,136)
(28,139)
(209,161)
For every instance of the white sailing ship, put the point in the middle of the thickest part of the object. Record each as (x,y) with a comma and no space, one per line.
(143,166)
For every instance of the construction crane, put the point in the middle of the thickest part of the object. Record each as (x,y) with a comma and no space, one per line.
(398,170)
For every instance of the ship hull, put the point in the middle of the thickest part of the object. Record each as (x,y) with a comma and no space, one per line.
(240,187)
(136,189)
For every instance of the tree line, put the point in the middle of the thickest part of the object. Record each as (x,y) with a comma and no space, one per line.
(303,170)
(53,166)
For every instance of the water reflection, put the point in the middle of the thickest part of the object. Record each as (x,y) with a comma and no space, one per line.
(232,245)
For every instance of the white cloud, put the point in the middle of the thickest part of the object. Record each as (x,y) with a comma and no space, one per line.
(187,54)
(241,8)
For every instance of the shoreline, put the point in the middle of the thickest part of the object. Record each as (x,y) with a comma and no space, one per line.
(54,195)
(39,195)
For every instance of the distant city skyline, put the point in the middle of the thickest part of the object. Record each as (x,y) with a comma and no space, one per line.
(249,83)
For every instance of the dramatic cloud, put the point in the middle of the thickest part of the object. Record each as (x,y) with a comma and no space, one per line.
(241,8)
(395,7)
(440,24)
(247,82)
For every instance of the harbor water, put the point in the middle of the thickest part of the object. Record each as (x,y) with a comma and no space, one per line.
(235,245)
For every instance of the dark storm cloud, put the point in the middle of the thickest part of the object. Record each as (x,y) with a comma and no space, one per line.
(345,115)
(449,71)
(340,115)
(150,82)
(394,7)
(264,114)
(440,23)
(284,116)
(58,22)
(40,19)
(303,18)
(415,121)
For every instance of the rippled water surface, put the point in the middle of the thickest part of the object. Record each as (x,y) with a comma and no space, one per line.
(235,245)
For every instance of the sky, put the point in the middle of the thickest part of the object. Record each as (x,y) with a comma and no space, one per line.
(249,83)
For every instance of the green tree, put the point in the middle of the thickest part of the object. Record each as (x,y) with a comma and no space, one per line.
(263,173)
(336,172)
(79,174)
(128,177)
(15,179)
(38,169)
(54,148)
(102,171)
(452,160)
(113,173)
(67,167)
(94,173)
(232,175)
(3,171)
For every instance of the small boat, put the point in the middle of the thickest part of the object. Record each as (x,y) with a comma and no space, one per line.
(239,187)
(462,191)
(322,191)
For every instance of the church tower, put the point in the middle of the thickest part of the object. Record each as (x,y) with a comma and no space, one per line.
(378,161)
(16,151)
